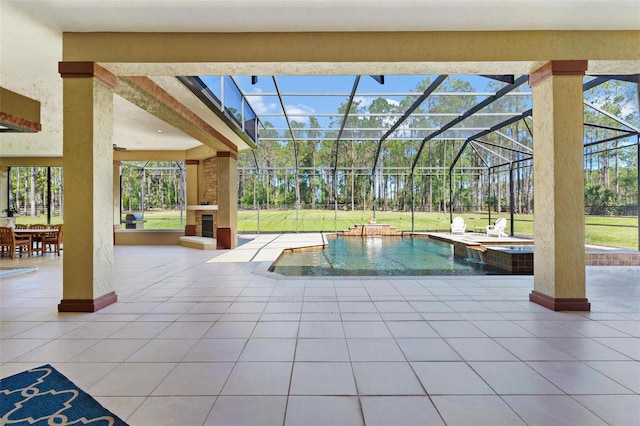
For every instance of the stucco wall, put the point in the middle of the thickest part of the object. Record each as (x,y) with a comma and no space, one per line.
(29,56)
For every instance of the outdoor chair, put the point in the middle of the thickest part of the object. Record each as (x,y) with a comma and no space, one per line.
(497,229)
(36,239)
(51,242)
(458,226)
(8,239)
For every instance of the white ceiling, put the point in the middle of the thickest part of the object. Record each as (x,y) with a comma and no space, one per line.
(332,15)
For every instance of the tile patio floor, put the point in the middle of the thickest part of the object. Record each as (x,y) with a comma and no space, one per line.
(212,338)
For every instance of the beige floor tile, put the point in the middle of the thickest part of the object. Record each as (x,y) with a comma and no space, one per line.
(111,350)
(320,330)
(185,330)
(275,329)
(429,349)
(13,348)
(248,410)
(132,379)
(374,350)
(411,329)
(513,378)
(480,350)
(585,349)
(614,409)
(195,379)
(322,350)
(323,411)
(212,350)
(50,330)
(450,378)
(172,410)
(366,330)
(578,378)
(60,350)
(629,346)
(121,406)
(560,410)
(85,374)
(322,378)
(399,410)
(456,329)
(528,349)
(386,378)
(484,410)
(269,350)
(501,329)
(259,378)
(163,350)
(231,330)
(627,373)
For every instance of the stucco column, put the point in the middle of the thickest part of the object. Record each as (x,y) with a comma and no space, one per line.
(192,196)
(559,256)
(227,226)
(116,194)
(4,189)
(88,187)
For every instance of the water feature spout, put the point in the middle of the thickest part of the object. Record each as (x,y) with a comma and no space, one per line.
(474,255)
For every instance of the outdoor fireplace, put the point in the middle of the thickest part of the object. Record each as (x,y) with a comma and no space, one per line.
(207,225)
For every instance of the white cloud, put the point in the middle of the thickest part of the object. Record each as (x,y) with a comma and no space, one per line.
(260,106)
(365,102)
(295,111)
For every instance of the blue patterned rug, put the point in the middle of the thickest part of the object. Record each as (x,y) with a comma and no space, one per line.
(43,396)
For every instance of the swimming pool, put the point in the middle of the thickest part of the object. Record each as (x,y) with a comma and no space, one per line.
(378,256)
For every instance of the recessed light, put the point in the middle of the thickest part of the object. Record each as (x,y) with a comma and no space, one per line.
(159,131)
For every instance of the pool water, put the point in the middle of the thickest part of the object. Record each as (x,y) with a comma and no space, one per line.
(378,256)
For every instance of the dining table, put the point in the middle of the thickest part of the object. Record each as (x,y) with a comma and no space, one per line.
(35,232)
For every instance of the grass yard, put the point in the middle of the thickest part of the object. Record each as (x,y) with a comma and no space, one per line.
(604,230)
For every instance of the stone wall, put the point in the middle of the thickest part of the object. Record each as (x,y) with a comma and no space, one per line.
(372,229)
(210,181)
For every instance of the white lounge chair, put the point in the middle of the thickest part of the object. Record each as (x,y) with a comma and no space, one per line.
(497,229)
(458,226)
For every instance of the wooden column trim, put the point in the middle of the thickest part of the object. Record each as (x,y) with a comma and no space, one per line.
(557,68)
(558,304)
(87,305)
(223,238)
(190,230)
(19,124)
(87,70)
(227,154)
(192,162)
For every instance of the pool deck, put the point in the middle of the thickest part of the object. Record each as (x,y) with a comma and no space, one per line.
(195,340)
(267,247)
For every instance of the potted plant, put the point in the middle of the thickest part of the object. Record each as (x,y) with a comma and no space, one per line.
(10,220)
(10,211)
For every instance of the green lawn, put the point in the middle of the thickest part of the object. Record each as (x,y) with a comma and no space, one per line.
(605,230)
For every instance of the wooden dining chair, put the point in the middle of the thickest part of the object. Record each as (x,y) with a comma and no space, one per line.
(21,226)
(13,242)
(36,239)
(51,242)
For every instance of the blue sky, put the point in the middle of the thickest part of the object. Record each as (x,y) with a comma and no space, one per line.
(305,105)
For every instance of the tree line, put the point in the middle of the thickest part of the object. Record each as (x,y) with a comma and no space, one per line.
(315,172)
(310,174)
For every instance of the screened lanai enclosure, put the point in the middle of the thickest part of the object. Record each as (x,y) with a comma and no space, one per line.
(413,151)
(407,150)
